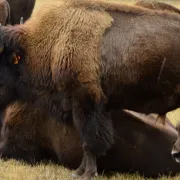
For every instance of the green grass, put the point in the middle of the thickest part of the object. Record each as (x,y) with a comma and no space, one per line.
(14,170)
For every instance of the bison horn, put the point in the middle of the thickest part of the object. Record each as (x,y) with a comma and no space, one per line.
(1,40)
(150,120)
(140,116)
(21,20)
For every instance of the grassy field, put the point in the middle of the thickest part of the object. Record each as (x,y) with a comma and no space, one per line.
(14,170)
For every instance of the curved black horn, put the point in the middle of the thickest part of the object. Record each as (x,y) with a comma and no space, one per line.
(22,20)
(1,40)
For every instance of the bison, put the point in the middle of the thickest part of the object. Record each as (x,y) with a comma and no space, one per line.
(134,50)
(4,12)
(28,133)
(20,8)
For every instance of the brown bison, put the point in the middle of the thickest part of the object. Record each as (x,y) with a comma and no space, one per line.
(134,51)
(20,8)
(4,12)
(141,143)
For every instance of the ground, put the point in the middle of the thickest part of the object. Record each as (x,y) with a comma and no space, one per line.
(14,170)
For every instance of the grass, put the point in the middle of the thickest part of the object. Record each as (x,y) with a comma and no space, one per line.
(15,170)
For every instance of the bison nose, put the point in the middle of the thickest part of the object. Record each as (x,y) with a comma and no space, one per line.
(176,155)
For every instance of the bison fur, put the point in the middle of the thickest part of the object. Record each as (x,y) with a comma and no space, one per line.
(132,57)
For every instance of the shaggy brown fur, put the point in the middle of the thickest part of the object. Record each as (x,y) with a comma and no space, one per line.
(158,6)
(28,132)
(4,12)
(132,52)
(80,28)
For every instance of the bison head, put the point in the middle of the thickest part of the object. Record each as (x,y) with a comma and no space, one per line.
(10,54)
(8,73)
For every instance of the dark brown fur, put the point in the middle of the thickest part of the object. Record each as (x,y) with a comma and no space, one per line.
(20,8)
(164,7)
(141,145)
(136,58)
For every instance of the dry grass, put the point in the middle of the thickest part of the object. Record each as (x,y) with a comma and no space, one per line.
(13,170)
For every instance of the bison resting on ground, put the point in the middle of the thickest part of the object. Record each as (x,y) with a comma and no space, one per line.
(134,50)
(4,12)
(141,144)
(20,8)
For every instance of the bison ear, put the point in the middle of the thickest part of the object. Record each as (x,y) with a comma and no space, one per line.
(21,20)
(1,40)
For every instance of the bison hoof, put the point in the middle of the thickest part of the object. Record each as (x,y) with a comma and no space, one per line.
(88,176)
(77,173)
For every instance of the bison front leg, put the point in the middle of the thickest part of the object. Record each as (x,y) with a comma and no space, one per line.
(81,169)
(96,131)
